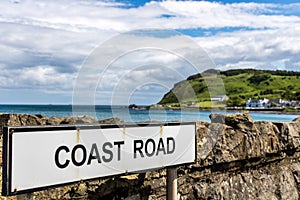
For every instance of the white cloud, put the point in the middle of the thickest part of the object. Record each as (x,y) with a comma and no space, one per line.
(249,49)
(84,16)
(43,43)
(46,78)
(192,14)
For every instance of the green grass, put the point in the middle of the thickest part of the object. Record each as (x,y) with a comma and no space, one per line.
(240,85)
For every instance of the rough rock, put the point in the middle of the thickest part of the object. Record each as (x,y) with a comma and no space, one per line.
(79,120)
(297,119)
(21,120)
(110,121)
(289,135)
(54,120)
(239,121)
(236,159)
(273,181)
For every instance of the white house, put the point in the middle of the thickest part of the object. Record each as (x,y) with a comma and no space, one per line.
(258,103)
(220,98)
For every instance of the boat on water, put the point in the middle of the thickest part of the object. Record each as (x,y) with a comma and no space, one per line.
(135,107)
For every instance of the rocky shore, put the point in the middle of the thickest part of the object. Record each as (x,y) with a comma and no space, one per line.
(237,159)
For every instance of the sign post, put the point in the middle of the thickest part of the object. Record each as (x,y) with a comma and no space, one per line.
(40,157)
(172,183)
(28,196)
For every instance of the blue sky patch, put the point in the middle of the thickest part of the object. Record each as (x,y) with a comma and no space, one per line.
(44,44)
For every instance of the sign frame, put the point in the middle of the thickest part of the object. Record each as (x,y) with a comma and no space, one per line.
(8,132)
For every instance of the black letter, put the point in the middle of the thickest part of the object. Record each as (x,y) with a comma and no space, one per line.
(119,148)
(78,146)
(153,147)
(91,156)
(161,146)
(57,157)
(168,145)
(135,148)
(107,151)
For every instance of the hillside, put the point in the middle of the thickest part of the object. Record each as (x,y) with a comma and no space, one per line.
(240,85)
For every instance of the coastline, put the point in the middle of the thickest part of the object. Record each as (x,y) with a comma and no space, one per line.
(268,111)
(154,113)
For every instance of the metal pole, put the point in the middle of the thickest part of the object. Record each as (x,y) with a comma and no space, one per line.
(28,196)
(171,183)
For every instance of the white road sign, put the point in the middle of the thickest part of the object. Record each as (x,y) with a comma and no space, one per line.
(35,158)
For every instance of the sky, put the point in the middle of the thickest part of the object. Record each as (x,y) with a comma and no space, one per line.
(45,45)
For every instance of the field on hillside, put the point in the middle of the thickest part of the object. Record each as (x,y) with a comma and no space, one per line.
(240,85)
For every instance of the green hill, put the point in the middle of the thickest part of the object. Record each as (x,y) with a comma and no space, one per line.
(240,85)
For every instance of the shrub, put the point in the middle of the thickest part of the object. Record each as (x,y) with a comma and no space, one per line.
(258,78)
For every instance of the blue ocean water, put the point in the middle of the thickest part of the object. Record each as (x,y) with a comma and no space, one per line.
(128,115)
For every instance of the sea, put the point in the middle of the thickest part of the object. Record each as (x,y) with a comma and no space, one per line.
(128,115)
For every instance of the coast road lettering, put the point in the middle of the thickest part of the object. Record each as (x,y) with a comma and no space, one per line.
(80,154)
(59,155)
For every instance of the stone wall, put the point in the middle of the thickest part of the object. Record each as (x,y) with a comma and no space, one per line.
(237,159)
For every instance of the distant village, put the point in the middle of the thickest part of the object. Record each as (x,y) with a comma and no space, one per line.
(262,104)
(271,104)
(251,104)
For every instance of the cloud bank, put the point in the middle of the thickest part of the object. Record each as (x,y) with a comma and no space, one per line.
(44,43)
